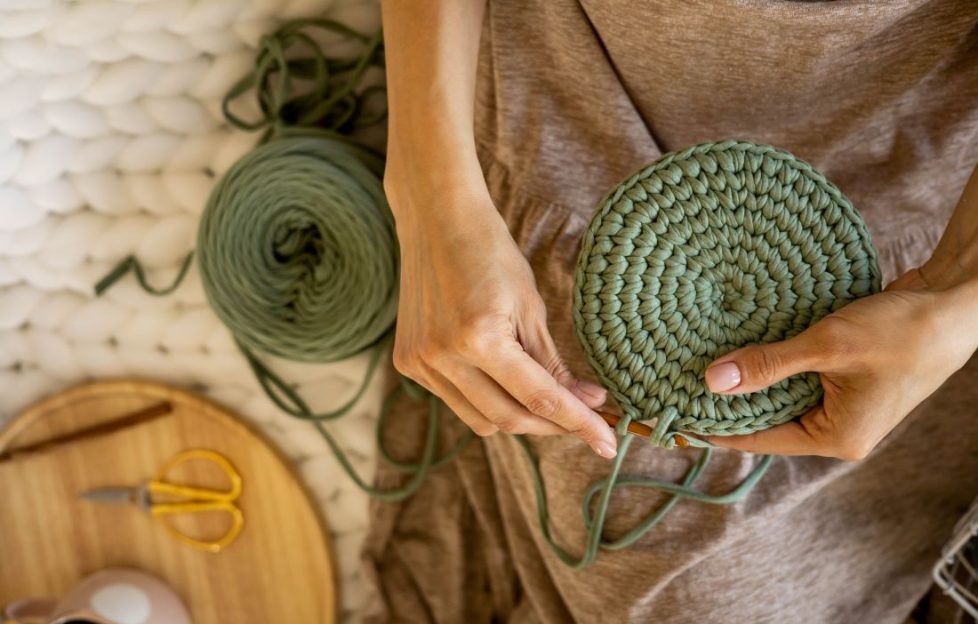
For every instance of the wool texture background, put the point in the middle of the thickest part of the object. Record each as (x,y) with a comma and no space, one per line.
(111,137)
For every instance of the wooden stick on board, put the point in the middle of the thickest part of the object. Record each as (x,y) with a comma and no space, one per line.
(146,414)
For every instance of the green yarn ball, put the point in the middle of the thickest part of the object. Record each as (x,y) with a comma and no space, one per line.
(297,250)
(704,251)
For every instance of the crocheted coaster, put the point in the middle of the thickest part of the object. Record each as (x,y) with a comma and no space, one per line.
(704,251)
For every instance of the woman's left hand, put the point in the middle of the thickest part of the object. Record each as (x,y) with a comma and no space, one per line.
(878,358)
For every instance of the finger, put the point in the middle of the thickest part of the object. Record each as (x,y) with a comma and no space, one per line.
(758,366)
(788,439)
(497,406)
(812,434)
(911,280)
(457,402)
(539,344)
(593,395)
(536,389)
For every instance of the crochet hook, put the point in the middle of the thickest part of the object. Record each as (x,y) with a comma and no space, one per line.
(110,426)
(637,428)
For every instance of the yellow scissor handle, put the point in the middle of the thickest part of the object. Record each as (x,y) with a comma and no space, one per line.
(197,500)
(161,510)
(160,486)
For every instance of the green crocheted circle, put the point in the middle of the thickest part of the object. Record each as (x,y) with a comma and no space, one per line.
(297,250)
(704,251)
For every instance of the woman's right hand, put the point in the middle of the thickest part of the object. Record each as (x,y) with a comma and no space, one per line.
(471,325)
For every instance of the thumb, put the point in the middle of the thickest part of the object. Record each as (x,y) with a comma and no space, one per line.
(753,368)
(911,280)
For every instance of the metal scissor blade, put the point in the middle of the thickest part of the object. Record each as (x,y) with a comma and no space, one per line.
(113,495)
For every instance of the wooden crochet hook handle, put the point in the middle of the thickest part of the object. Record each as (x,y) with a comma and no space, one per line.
(637,428)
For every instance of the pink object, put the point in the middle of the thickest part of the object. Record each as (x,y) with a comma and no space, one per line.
(723,377)
(604,450)
(113,596)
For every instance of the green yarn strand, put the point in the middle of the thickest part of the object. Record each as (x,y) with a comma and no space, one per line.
(604,488)
(130,263)
(418,474)
(593,539)
(333,98)
(289,401)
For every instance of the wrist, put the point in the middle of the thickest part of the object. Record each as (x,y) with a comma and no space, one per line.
(946,271)
(431,147)
(957,306)
(430,178)
(955,260)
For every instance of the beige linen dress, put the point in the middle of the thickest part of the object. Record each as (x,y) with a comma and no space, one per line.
(572,97)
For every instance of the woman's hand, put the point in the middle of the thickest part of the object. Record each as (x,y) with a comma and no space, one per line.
(878,358)
(472,327)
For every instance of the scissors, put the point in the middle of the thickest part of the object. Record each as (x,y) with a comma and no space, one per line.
(186,499)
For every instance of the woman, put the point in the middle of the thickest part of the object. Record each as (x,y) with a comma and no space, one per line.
(508,122)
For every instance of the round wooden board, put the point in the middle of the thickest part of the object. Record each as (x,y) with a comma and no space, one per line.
(280,568)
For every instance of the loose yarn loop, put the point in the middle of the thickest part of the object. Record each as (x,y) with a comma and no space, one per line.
(594,520)
(702,252)
(332,99)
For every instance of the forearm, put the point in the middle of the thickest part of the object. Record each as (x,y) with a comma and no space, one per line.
(955,260)
(471,326)
(952,272)
(432,48)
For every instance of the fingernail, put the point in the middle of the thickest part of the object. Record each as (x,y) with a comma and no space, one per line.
(604,450)
(723,377)
(593,390)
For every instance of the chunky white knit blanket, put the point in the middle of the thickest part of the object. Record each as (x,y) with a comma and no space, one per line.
(111,136)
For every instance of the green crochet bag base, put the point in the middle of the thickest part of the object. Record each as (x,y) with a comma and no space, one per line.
(704,251)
